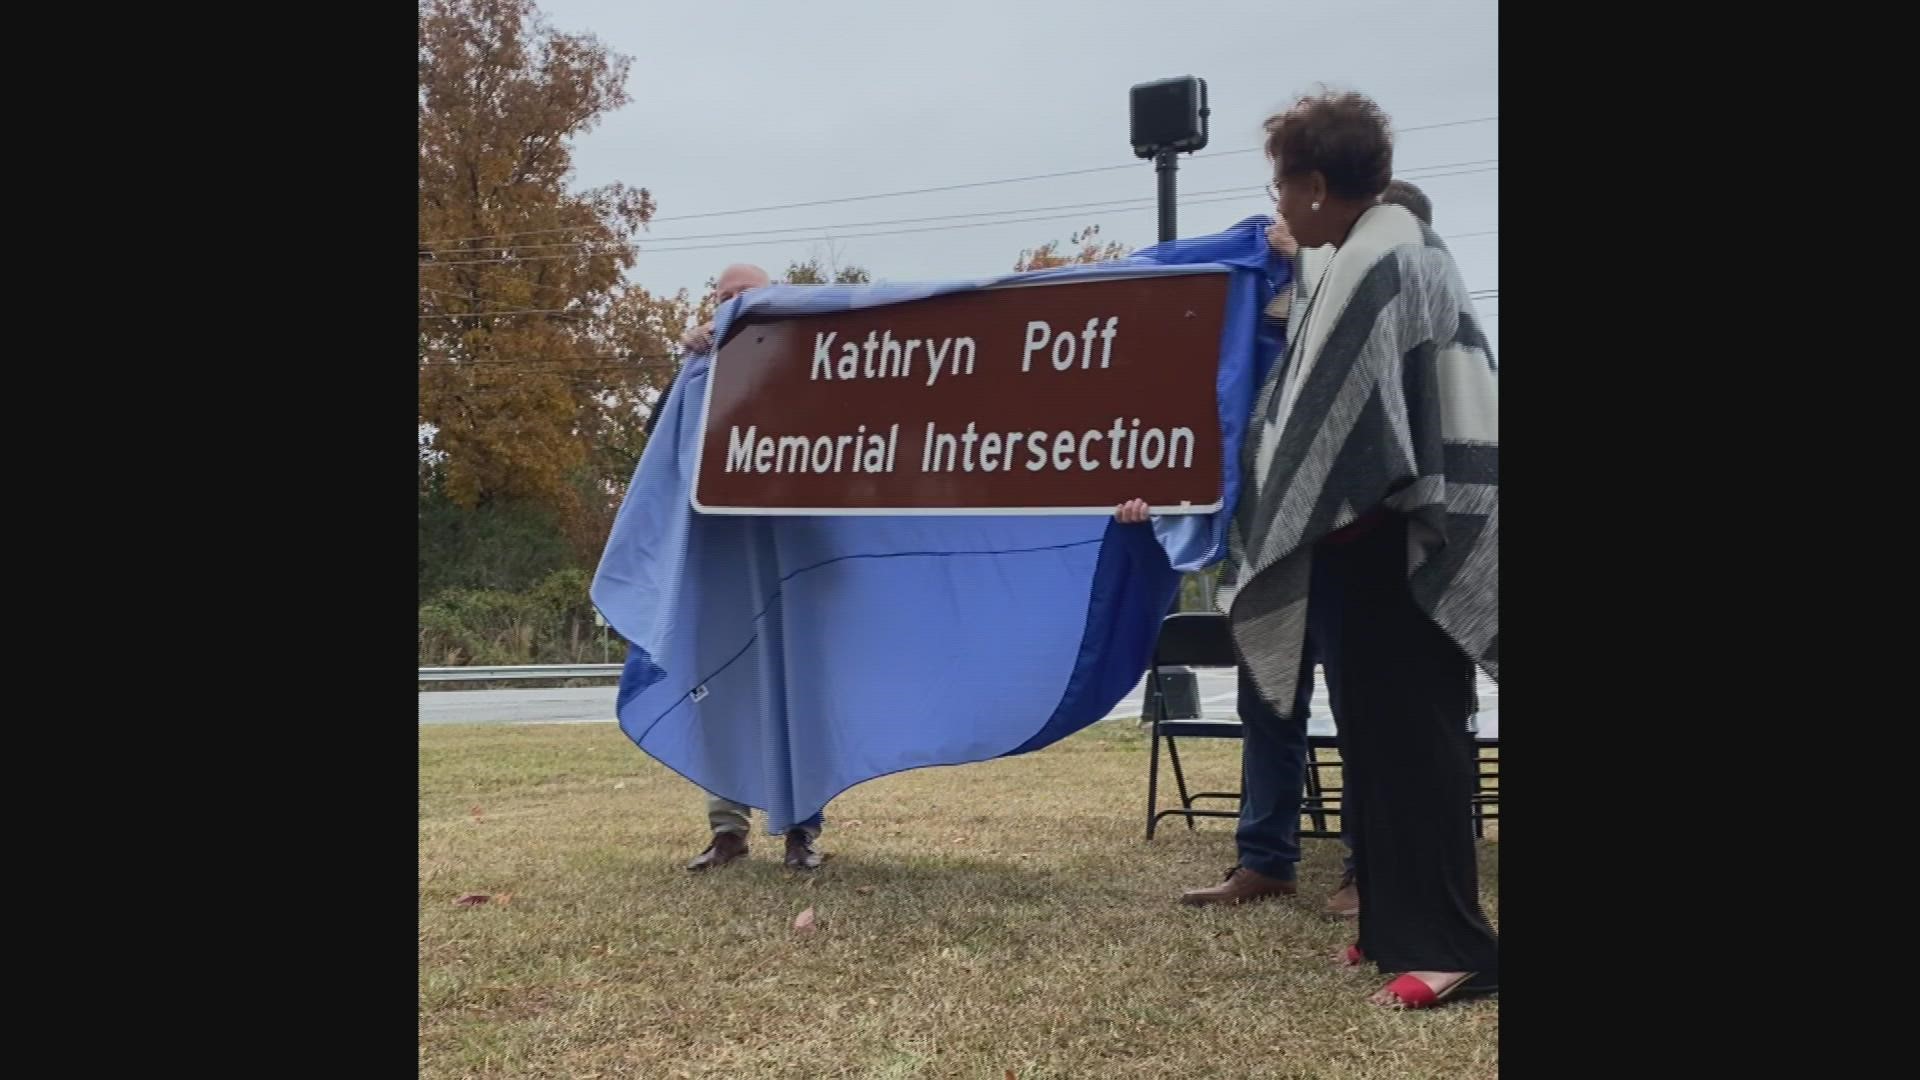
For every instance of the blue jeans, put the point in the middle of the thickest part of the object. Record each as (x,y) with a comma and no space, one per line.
(1273,770)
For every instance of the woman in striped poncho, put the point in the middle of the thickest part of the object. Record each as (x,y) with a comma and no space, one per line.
(1372,496)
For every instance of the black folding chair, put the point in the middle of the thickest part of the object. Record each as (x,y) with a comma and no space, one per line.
(1486,782)
(1187,640)
(1205,640)
(1322,797)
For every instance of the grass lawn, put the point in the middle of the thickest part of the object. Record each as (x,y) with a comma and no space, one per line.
(993,920)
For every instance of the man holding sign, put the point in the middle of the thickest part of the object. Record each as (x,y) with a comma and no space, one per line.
(730,820)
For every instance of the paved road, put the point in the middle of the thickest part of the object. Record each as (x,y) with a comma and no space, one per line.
(594,704)
(571,705)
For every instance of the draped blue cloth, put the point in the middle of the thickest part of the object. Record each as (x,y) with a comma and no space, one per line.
(778,661)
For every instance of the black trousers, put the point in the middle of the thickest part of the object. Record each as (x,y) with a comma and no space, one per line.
(1405,692)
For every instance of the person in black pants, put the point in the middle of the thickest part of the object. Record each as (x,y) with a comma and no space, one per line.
(1386,407)
(1406,692)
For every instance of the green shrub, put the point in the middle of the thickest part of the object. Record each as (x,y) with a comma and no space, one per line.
(550,623)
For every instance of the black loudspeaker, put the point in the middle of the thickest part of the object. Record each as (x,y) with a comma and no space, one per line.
(1168,114)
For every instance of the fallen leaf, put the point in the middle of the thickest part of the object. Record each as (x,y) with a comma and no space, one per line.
(1010,1074)
(473,899)
(475,811)
(503,899)
(863,890)
(621,786)
(805,922)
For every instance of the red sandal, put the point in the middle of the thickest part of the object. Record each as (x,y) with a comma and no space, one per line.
(1414,994)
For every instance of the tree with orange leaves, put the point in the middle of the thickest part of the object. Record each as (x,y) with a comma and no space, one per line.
(1085,247)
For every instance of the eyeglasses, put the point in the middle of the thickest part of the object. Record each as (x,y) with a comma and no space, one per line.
(1273,191)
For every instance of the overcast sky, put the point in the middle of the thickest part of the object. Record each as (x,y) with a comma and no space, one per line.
(753,103)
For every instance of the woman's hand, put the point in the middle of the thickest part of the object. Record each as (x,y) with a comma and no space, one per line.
(1131,512)
(1280,238)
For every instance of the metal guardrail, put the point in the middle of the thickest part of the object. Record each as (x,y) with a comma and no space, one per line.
(526,671)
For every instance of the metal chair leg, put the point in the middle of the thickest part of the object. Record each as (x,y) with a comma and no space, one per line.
(1316,795)
(1479,789)
(1180,779)
(1156,708)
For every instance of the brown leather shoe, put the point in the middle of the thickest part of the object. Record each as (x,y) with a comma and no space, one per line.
(800,853)
(726,847)
(1345,902)
(1241,886)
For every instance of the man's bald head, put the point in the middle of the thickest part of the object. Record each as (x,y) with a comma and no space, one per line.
(738,278)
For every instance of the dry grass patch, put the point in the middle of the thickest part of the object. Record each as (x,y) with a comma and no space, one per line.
(975,921)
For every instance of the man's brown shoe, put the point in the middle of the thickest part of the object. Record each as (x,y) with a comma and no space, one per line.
(800,853)
(1345,902)
(726,847)
(1242,885)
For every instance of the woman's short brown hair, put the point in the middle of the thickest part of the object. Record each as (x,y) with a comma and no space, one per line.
(1344,137)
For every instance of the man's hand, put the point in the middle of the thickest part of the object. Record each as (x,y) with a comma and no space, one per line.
(699,339)
(1281,239)
(1131,512)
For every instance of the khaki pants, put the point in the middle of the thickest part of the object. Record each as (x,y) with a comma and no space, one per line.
(725,815)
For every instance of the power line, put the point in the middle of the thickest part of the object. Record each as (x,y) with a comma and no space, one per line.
(620,362)
(610,376)
(463,296)
(565,313)
(1017,179)
(844,236)
(565,288)
(659,250)
(1423,173)
(643,245)
(1477,294)
(943,187)
(554,378)
(749,243)
(521,311)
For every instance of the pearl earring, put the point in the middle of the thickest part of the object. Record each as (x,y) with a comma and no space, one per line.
(1316,208)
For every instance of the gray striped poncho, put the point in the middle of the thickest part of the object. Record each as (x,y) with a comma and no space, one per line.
(1389,399)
